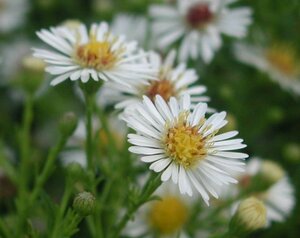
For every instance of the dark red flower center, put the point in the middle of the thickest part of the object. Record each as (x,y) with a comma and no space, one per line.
(199,15)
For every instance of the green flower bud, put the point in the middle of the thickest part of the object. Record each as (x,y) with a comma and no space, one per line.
(84,203)
(74,170)
(292,152)
(68,123)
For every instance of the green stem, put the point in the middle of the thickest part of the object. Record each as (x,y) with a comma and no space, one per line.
(25,143)
(62,209)
(48,168)
(89,99)
(24,207)
(21,201)
(152,184)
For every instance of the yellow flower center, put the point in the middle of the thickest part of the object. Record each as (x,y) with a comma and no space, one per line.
(168,215)
(162,87)
(97,54)
(184,143)
(284,59)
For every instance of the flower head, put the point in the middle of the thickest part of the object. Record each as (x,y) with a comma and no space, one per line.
(279,61)
(97,55)
(164,217)
(170,81)
(278,196)
(198,24)
(184,145)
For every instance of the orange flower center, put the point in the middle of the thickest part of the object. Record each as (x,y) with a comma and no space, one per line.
(163,87)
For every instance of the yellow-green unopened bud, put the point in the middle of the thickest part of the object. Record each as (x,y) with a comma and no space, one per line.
(271,171)
(72,24)
(68,123)
(251,215)
(292,152)
(33,64)
(84,203)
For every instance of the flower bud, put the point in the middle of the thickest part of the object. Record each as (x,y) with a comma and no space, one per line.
(84,203)
(71,24)
(251,215)
(74,170)
(271,171)
(33,73)
(33,64)
(292,152)
(68,123)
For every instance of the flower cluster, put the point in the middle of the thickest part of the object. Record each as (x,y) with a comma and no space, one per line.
(154,155)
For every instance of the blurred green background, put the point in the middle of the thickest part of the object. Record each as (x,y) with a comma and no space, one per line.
(267,117)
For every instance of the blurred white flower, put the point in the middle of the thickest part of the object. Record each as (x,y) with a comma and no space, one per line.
(198,25)
(183,145)
(12,14)
(97,55)
(171,81)
(279,198)
(278,61)
(165,218)
(133,27)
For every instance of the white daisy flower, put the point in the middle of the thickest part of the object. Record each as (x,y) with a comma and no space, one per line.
(278,61)
(165,218)
(97,55)
(12,14)
(170,81)
(183,145)
(279,197)
(198,25)
(134,27)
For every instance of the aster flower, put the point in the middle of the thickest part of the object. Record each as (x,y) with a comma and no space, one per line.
(12,14)
(183,145)
(198,25)
(97,55)
(279,61)
(171,81)
(278,197)
(165,217)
